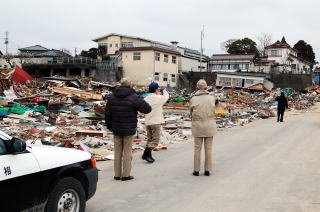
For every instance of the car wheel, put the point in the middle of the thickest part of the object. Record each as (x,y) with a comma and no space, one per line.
(67,195)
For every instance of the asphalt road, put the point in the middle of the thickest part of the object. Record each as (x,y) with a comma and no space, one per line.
(263,166)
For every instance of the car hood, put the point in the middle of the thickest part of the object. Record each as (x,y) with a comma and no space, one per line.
(50,157)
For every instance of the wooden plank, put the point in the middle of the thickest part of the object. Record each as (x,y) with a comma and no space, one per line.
(91,133)
(83,94)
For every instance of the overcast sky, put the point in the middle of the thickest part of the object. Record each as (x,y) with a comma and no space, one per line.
(74,23)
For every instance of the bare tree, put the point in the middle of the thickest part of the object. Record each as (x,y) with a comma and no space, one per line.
(22,57)
(264,40)
(8,58)
(224,45)
(66,51)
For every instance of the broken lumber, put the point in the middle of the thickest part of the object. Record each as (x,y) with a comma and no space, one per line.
(91,133)
(76,92)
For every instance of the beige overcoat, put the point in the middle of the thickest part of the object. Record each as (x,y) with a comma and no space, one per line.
(201,108)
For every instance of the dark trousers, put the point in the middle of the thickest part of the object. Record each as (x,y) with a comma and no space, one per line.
(280,115)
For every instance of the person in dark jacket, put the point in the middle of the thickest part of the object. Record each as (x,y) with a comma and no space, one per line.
(282,105)
(121,118)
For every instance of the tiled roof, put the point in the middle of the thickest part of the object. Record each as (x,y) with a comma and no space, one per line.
(265,61)
(279,45)
(301,59)
(52,53)
(34,48)
(244,74)
(233,57)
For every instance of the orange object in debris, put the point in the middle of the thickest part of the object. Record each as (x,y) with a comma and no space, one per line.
(20,76)
(34,130)
(93,162)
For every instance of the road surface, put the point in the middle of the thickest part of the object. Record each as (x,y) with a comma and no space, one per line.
(263,166)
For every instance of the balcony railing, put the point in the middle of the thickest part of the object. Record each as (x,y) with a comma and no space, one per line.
(65,60)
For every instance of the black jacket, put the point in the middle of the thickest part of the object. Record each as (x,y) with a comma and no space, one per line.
(122,109)
(282,102)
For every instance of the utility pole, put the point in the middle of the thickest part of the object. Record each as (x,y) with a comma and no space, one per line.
(201,51)
(6,41)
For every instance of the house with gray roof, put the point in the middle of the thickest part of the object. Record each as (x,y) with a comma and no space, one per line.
(32,50)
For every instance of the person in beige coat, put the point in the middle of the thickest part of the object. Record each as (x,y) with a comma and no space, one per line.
(204,126)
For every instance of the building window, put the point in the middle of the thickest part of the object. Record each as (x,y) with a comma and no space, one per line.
(237,82)
(116,45)
(156,76)
(224,81)
(103,44)
(136,55)
(274,53)
(127,44)
(110,45)
(293,66)
(166,58)
(249,81)
(165,76)
(173,78)
(247,66)
(157,56)
(174,59)
(235,66)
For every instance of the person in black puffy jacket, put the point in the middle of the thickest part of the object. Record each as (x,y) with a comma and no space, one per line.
(282,105)
(121,118)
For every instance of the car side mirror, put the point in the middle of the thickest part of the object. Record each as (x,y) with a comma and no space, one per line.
(18,145)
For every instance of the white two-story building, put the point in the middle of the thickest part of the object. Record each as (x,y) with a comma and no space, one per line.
(232,63)
(286,59)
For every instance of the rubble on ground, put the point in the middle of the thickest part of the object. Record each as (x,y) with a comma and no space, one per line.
(68,112)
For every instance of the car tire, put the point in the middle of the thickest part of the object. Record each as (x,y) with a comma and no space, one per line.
(69,193)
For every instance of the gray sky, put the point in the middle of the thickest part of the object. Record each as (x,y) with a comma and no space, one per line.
(74,23)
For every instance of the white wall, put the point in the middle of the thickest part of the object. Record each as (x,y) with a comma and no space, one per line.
(142,71)
(189,64)
(255,80)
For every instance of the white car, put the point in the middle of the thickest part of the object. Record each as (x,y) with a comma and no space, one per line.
(44,178)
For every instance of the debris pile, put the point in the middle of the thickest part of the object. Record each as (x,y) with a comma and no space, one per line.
(69,112)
